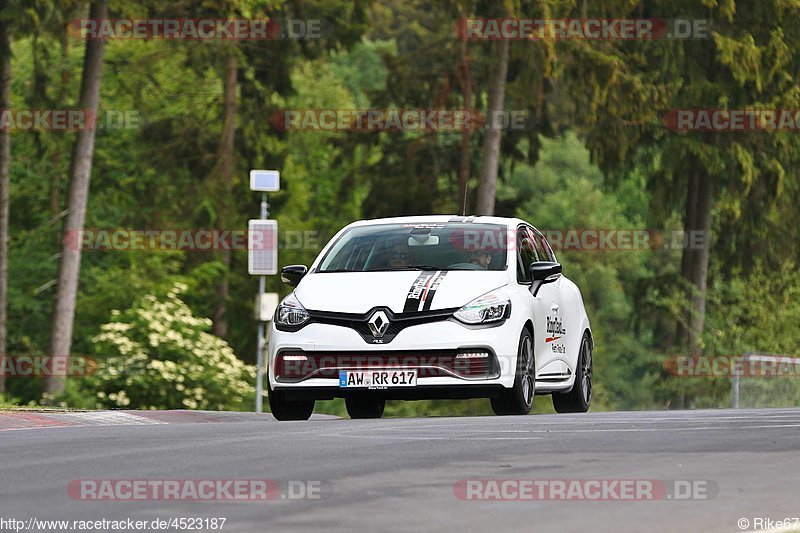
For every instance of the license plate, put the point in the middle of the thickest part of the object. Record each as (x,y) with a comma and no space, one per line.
(377,379)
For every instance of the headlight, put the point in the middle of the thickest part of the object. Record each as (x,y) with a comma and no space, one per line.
(290,312)
(491,307)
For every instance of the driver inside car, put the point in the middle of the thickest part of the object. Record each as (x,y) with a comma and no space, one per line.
(398,257)
(480,258)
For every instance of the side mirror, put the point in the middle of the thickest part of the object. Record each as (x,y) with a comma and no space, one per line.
(292,274)
(543,272)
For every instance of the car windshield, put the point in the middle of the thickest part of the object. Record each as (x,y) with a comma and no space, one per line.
(434,246)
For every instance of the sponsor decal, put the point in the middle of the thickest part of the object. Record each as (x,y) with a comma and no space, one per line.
(423,226)
(558,348)
(555,328)
(428,295)
(420,295)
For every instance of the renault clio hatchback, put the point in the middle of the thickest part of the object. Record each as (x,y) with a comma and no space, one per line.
(430,307)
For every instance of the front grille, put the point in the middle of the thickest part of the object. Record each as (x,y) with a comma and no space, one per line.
(297,365)
(397,322)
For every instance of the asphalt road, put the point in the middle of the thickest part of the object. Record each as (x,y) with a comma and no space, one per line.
(399,474)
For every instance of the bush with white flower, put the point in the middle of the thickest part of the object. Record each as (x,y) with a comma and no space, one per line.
(157,355)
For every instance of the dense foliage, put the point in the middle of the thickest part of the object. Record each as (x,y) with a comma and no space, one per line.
(596,154)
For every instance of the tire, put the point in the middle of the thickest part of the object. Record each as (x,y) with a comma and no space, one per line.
(580,397)
(518,400)
(364,407)
(283,409)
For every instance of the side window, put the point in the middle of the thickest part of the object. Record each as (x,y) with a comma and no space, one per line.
(526,254)
(537,244)
(547,252)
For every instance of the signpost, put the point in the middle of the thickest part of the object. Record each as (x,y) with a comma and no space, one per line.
(262,260)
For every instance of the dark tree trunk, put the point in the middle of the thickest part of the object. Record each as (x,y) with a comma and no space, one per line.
(80,175)
(694,262)
(55,183)
(5,161)
(688,256)
(227,169)
(490,156)
(465,166)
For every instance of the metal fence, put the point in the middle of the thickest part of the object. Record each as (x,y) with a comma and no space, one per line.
(766,381)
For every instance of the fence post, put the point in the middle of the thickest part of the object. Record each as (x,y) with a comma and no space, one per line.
(735,383)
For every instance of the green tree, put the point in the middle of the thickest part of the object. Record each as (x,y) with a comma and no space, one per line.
(746,62)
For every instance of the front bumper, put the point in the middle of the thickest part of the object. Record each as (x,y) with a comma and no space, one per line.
(443,339)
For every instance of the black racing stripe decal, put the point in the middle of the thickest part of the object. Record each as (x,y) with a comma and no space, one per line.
(414,296)
(431,292)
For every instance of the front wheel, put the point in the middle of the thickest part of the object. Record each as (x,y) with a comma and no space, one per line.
(283,409)
(580,397)
(364,407)
(518,400)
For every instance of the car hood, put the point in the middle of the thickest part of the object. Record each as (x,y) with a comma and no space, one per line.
(401,291)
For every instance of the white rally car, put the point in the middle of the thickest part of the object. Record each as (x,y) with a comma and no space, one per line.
(430,307)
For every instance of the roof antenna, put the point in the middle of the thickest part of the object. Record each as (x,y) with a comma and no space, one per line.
(464,203)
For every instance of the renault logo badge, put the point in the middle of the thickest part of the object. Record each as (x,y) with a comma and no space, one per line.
(378,324)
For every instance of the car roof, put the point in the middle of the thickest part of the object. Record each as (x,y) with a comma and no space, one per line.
(453,219)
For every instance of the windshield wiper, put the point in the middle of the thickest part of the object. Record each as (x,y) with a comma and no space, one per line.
(401,268)
(386,269)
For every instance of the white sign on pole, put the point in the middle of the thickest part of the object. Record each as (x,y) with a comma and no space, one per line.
(266,304)
(265,180)
(262,247)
